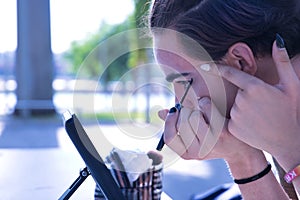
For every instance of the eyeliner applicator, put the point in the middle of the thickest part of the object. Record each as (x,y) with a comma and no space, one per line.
(178,106)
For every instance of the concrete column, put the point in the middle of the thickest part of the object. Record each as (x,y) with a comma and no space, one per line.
(34,63)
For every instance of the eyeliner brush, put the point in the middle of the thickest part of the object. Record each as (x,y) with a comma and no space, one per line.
(178,106)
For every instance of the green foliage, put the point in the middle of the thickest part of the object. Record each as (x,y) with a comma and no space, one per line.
(139,20)
(97,65)
(94,65)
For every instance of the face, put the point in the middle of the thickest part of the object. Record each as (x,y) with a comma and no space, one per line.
(179,68)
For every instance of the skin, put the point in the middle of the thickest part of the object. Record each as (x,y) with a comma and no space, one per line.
(244,161)
(266,116)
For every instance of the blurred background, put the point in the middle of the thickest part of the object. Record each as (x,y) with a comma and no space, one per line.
(44,45)
(52,59)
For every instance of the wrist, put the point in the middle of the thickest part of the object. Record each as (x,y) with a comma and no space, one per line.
(254,163)
(248,165)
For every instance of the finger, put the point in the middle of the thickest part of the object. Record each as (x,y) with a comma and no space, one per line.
(205,106)
(162,114)
(171,138)
(199,128)
(185,129)
(235,76)
(176,144)
(284,67)
(198,124)
(217,123)
(234,120)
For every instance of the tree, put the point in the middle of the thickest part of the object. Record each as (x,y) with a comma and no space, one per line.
(139,20)
(95,65)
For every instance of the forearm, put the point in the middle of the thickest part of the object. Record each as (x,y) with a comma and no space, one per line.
(262,188)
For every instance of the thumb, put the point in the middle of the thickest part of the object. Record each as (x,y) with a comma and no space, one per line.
(171,123)
(283,64)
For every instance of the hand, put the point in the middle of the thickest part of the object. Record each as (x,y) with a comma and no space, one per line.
(243,160)
(267,116)
(202,134)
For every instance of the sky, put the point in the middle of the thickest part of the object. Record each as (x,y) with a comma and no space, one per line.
(70,20)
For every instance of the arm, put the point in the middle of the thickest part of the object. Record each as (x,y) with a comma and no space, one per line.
(244,161)
(274,109)
(266,186)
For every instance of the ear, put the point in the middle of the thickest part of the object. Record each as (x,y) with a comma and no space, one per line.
(240,56)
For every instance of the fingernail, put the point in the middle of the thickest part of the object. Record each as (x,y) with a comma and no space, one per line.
(204,101)
(173,110)
(279,41)
(205,67)
(178,106)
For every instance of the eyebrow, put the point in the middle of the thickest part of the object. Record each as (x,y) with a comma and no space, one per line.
(171,77)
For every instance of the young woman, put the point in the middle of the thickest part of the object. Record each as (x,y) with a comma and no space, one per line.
(237,33)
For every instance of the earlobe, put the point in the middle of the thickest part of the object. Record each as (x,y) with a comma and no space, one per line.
(240,56)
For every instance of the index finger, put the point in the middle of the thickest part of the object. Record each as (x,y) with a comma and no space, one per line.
(172,139)
(239,78)
(286,72)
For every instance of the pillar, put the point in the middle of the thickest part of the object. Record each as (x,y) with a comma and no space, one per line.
(34,63)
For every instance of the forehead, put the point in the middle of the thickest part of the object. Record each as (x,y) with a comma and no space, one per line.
(168,51)
(171,59)
(170,54)
(166,44)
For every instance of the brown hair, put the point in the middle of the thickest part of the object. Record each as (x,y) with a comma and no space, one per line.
(217,24)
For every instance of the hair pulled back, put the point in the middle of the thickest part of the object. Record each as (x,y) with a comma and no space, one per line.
(218,24)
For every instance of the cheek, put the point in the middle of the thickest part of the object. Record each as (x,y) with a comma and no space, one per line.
(190,101)
(197,90)
(179,91)
(222,93)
